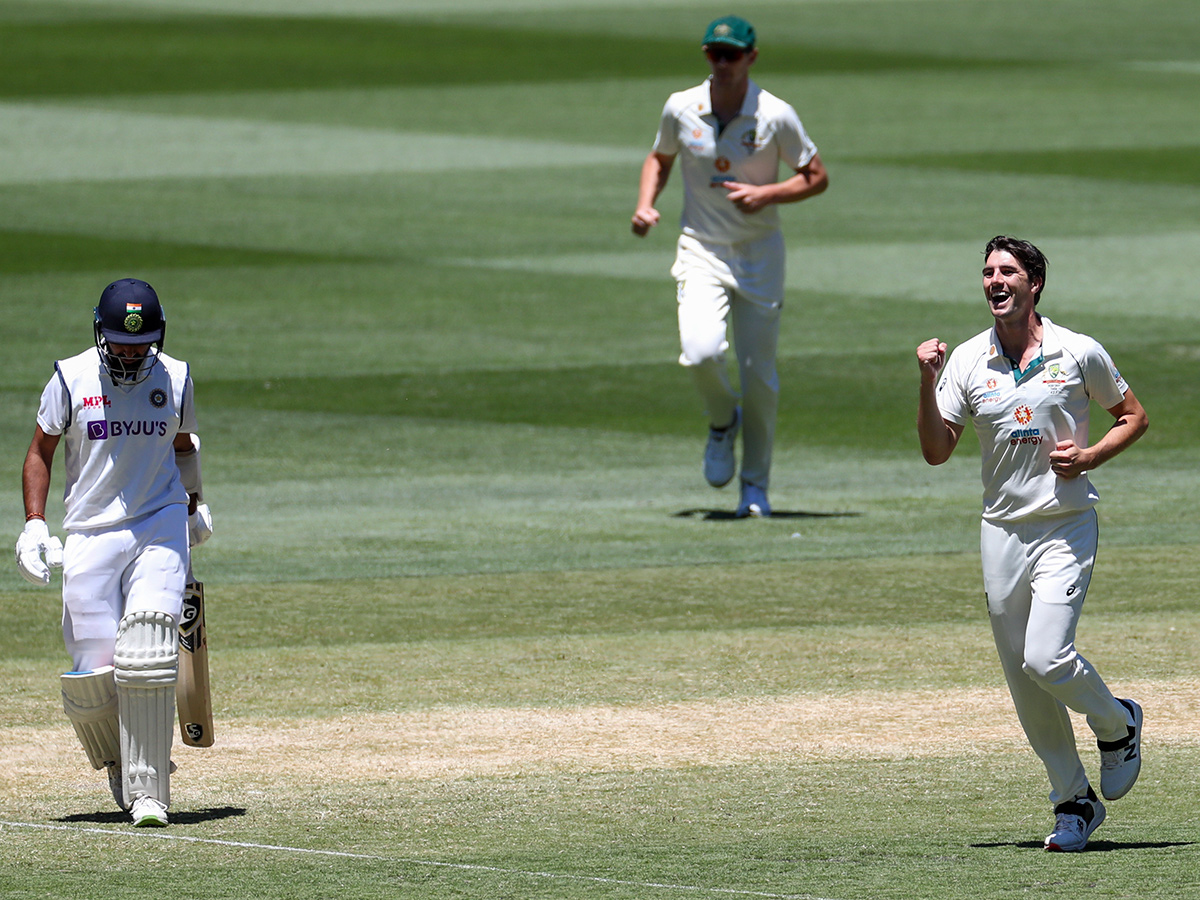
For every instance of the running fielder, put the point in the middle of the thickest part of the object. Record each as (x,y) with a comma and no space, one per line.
(1026,384)
(732,137)
(124,412)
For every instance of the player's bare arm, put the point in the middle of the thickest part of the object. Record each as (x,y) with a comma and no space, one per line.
(808,181)
(938,436)
(655,172)
(1070,461)
(35,474)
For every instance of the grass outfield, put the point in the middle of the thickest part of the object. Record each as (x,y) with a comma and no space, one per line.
(478,627)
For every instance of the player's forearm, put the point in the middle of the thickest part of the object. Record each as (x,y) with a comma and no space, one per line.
(1129,423)
(1124,432)
(35,482)
(808,182)
(937,440)
(654,178)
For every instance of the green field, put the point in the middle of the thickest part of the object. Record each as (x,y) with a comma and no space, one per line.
(479,629)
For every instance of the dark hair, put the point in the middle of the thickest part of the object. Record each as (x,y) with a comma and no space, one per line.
(1027,254)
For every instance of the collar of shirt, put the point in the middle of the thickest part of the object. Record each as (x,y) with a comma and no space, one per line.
(749,102)
(1051,348)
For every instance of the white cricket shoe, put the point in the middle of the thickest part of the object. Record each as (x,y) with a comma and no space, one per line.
(116,784)
(1121,761)
(149,813)
(719,461)
(1074,822)
(754,503)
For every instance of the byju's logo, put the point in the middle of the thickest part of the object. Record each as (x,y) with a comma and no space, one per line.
(98,430)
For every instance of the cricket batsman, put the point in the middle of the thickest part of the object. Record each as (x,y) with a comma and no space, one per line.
(125,414)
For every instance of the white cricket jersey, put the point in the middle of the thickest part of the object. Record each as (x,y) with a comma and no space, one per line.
(1020,417)
(120,462)
(765,133)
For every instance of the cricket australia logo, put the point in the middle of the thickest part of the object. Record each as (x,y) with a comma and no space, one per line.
(750,140)
(1055,379)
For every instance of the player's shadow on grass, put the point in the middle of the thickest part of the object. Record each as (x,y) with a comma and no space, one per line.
(728,515)
(1092,846)
(183,817)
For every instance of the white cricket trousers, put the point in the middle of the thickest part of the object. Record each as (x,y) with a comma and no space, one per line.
(1036,574)
(140,565)
(719,285)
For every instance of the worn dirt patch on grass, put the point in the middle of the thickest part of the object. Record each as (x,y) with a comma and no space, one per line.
(449,743)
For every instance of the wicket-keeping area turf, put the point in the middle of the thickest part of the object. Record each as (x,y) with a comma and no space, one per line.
(478,627)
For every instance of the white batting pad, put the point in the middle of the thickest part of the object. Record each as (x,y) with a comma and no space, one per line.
(90,702)
(146,668)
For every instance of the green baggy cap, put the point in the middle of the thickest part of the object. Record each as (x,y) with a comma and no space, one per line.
(731,30)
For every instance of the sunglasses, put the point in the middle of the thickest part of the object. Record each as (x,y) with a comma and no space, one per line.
(728,54)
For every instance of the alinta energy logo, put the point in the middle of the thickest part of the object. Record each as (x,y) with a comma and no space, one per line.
(1024,415)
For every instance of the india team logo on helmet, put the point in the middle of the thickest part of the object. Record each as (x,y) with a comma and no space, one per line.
(129,315)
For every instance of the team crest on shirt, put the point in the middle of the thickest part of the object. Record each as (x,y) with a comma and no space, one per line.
(1055,379)
(158,398)
(750,140)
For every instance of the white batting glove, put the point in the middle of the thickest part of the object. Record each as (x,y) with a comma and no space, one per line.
(200,527)
(33,542)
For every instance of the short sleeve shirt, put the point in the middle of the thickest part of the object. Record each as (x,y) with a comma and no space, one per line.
(765,133)
(1019,417)
(119,453)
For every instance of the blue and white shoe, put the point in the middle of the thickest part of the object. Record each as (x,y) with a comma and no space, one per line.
(1121,761)
(1074,822)
(719,460)
(754,503)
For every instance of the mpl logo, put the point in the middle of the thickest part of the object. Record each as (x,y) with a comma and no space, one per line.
(96,402)
(98,430)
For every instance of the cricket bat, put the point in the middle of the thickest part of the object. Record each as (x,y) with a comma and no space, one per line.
(192,696)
